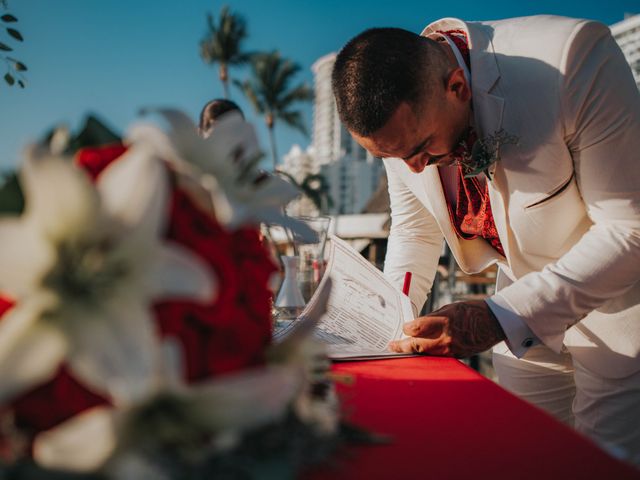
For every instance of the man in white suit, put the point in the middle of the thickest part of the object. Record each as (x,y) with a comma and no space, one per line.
(557,205)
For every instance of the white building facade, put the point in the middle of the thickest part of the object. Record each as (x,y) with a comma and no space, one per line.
(627,34)
(300,164)
(352,182)
(352,173)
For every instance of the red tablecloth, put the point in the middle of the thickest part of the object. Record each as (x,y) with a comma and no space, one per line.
(449,422)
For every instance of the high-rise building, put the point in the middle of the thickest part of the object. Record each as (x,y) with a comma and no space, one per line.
(627,34)
(326,125)
(300,164)
(331,140)
(351,183)
(352,173)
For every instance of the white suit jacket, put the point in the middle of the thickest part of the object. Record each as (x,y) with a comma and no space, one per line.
(566,199)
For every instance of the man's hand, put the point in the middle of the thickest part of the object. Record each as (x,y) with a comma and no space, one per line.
(459,330)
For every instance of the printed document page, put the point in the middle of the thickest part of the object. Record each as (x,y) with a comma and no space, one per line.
(364,310)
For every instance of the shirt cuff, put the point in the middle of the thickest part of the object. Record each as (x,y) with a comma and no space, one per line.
(519,336)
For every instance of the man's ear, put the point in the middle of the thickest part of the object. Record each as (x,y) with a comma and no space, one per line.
(457,85)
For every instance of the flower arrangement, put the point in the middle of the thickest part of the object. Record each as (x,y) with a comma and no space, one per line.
(484,152)
(135,329)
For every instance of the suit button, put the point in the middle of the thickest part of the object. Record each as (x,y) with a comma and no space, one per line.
(527,342)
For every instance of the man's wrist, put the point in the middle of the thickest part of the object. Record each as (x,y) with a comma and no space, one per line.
(517,334)
(474,329)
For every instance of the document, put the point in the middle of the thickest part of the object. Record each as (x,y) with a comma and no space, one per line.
(363,311)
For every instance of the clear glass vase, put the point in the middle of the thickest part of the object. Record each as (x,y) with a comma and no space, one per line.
(289,302)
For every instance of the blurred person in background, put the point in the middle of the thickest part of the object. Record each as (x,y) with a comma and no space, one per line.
(212,111)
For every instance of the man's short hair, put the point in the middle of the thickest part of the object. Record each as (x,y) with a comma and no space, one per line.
(381,68)
(213,110)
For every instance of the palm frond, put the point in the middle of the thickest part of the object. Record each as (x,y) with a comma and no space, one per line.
(249,91)
(269,88)
(222,42)
(316,187)
(283,74)
(294,120)
(302,92)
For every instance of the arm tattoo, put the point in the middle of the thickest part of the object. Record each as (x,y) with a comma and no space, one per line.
(473,329)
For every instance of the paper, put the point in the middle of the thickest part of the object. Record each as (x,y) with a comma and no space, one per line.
(364,311)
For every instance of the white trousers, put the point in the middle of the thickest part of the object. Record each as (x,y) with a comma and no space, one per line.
(605,409)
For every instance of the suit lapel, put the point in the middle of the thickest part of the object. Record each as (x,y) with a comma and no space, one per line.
(488,110)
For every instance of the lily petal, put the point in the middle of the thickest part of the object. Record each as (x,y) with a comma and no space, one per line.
(232,139)
(116,351)
(60,199)
(152,136)
(178,273)
(135,189)
(24,257)
(183,132)
(30,349)
(173,369)
(81,444)
(275,191)
(229,403)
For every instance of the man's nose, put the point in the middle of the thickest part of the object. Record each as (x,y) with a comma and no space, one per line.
(416,163)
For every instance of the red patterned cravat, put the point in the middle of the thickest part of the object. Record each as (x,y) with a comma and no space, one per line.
(472,217)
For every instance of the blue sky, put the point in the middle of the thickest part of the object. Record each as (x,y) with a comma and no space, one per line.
(112,57)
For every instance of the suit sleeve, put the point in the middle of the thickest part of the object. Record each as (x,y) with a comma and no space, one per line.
(415,240)
(601,120)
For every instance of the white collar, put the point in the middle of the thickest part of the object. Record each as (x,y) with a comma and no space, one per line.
(461,62)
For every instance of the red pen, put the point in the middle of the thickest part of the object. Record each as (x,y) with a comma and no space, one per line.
(407,283)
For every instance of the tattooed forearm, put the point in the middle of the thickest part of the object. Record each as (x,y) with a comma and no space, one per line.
(473,328)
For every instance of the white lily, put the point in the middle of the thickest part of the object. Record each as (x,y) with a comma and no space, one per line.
(226,164)
(83,263)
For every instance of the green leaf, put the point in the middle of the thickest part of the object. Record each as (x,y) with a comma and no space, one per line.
(5,48)
(20,67)
(8,18)
(9,79)
(15,34)
(11,198)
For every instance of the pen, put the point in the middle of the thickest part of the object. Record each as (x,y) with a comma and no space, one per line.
(407,283)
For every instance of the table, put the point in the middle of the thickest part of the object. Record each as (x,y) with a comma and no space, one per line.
(449,422)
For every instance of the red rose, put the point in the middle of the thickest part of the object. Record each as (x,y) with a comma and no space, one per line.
(96,159)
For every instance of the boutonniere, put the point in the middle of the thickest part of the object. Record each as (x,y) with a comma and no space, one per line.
(485,152)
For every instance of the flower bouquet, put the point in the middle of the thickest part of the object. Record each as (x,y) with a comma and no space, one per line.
(135,329)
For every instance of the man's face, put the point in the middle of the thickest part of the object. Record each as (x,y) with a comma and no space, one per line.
(428,135)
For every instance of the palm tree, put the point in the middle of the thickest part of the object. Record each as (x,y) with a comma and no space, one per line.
(270,93)
(222,43)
